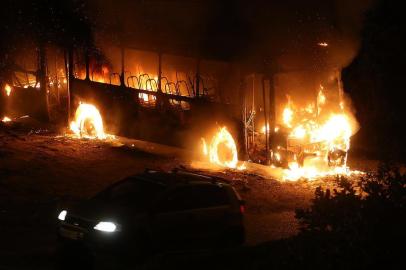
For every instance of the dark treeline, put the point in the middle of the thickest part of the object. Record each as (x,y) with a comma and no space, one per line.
(376,84)
(30,24)
(355,226)
(28,28)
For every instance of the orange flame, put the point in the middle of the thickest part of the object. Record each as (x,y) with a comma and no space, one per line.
(295,172)
(222,150)
(88,122)
(8,89)
(5,119)
(288,113)
(323,139)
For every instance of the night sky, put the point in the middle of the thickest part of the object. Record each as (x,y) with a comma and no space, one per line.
(219,29)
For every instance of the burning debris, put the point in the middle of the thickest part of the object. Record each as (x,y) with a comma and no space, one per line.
(88,122)
(317,139)
(310,141)
(6,119)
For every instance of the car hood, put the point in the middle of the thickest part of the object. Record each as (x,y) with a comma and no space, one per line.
(97,210)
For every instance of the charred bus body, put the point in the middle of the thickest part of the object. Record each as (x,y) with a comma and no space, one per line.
(174,100)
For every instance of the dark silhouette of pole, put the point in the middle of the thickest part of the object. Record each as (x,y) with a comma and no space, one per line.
(122,79)
(197,90)
(42,73)
(272,110)
(70,82)
(87,63)
(266,121)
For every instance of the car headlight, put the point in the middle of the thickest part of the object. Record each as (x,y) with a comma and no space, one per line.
(106,226)
(62,215)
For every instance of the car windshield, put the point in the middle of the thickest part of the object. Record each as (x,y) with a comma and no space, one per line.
(134,193)
(194,197)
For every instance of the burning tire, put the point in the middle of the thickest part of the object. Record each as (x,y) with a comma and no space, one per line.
(88,122)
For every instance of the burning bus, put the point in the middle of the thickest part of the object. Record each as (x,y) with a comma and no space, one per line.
(303,125)
(298,120)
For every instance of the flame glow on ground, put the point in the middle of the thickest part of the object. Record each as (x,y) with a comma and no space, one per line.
(222,150)
(308,172)
(88,122)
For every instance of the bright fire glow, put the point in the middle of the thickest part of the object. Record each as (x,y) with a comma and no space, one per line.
(204,147)
(287,116)
(321,98)
(336,129)
(263,129)
(288,113)
(88,122)
(321,140)
(299,132)
(5,119)
(8,89)
(222,150)
(295,172)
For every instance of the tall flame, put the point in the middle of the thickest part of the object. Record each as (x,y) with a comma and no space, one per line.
(323,139)
(8,89)
(88,122)
(288,113)
(321,99)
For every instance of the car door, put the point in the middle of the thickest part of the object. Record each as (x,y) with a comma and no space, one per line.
(173,220)
(191,214)
(211,210)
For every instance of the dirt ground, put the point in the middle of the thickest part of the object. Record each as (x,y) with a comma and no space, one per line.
(40,169)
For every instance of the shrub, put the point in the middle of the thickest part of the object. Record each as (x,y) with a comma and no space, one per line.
(358,224)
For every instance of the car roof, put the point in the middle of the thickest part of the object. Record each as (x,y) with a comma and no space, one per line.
(177,177)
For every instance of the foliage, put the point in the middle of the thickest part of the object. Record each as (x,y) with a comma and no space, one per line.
(359,224)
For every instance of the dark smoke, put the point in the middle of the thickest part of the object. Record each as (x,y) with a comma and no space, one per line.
(235,30)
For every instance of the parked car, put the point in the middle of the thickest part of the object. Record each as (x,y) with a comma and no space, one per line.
(156,211)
